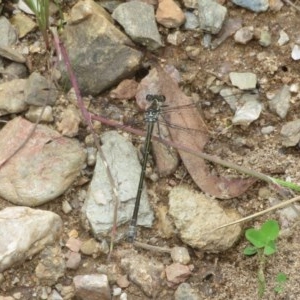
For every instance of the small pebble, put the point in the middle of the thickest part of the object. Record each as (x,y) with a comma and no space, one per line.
(90,247)
(123,296)
(265,38)
(66,207)
(296,52)
(73,261)
(117,291)
(244,35)
(283,38)
(267,129)
(180,255)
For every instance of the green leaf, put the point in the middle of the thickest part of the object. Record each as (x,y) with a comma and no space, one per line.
(270,230)
(270,248)
(281,277)
(255,237)
(250,250)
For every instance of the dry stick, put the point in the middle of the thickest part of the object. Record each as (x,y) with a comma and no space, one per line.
(280,205)
(292,4)
(87,118)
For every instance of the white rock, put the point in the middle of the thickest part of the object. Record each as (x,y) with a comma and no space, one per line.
(243,80)
(24,232)
(196,217)
(296,52)
(34,113)
(283,38)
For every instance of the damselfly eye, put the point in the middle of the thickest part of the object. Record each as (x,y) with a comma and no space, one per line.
(159,98)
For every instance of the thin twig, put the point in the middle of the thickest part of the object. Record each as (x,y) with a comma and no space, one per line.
(151,247)
(277,206)
(87,118)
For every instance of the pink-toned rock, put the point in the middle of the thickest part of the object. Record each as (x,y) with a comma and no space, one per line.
(177,273)
(73,244)
(92,287)
(125,90)
(169,14)
(43,169)
(73,261)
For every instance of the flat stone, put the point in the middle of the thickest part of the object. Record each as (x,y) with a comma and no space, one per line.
(98,50)
(92,287)
(45,167)
(253,5)
(243,80)
(11,54)
(39,90)
(191,21)
(125,90)
(125,168)
(211,16)
(7,32)
(169,14)
(40,227)
(73,260)
(138,20)
(195,216)
(23,23)
(280,103)
(291,133)
(12,99)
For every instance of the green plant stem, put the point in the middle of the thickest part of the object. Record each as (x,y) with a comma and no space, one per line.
(261,273)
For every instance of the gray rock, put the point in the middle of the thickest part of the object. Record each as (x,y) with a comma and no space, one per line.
(243,80)
(138,20)
(186,292)
(254,5)
(125,168)
(11,54)
(211,16)
(290,133)
(146,273)
(23,23)
(55,296)
(12,99)
(92,287)
(7,32)
(98,51)
(196,217)
(40,228)
(16,70)
(191,21)
(45,167)
(39,90)
(280,103)
(51,266)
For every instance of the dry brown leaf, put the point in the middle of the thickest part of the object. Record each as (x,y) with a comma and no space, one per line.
(217,186)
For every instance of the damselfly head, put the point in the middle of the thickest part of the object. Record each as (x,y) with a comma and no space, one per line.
(158,98)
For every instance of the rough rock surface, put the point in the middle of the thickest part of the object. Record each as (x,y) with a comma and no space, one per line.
(196,217)
(97,49)
(43,169)
(24,232)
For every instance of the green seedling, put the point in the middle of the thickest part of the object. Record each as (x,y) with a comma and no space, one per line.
(281,279)
(41,10)
(263,243)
